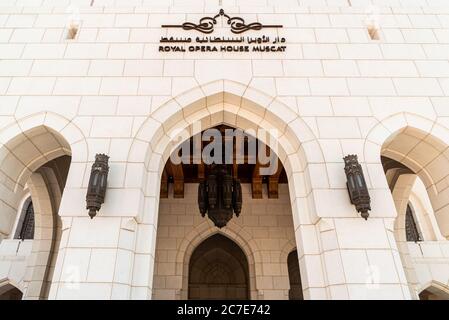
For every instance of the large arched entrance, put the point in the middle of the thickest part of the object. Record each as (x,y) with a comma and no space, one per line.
(213,265)
(415,162)
(178,229)
(218,270)
(435,291)
(34,169)
(409,154)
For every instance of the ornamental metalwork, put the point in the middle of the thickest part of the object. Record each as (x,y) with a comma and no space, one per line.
(219,196)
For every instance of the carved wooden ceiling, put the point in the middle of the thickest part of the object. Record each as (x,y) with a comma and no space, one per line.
(179,174)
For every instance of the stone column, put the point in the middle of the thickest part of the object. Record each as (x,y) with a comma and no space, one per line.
(96,256)
(362,260)
(360,257)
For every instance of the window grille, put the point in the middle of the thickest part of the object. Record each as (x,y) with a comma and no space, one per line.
(25,228)
(411,231)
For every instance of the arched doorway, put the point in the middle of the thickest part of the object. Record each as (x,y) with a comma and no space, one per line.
(294,275)
(218,270)
(9,292)
(415,165)
(180,225)
(417,154)
(40,174)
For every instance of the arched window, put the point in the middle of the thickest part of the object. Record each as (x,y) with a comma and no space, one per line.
(9,292)
(411,230)
(25,226)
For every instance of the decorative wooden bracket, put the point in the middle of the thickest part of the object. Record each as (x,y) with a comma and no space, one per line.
(273,183)
(164,185)
(256,184)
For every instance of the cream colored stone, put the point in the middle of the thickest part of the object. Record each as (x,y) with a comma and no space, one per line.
(333,92)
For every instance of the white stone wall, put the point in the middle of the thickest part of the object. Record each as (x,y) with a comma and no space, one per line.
(333,92)
(14,257)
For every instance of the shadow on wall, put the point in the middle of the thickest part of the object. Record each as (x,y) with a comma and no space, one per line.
(433,293)
(9,292)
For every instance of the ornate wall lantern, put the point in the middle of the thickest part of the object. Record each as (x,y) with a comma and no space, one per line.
(357,188)
(220,195)
(96,190)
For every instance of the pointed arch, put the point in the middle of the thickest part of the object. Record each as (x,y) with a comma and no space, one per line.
(434,290)
(25,146)
(422,145)
(9,290)
(243,258)
(35,153)
(412,146)
(239,106)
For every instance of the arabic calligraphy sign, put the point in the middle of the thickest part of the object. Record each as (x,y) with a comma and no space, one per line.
(222,44)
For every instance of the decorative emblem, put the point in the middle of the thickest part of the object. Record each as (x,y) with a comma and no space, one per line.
(206,24)
(220,196)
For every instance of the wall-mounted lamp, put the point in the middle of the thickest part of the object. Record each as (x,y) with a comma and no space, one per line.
(357,188)
(96,190)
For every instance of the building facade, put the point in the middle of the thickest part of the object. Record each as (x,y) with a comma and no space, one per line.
(321,79)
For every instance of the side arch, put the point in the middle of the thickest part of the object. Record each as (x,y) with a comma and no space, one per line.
(36,152)
(204,231)
(412,146)
(225,102)
(10,290)
(71,133)
(25,146)
(286,250)
(422,145)
(236,105)
(438,290)
(39,268)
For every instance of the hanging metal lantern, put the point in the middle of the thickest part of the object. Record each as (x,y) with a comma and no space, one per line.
(220,196)
(96,190)
(357,188)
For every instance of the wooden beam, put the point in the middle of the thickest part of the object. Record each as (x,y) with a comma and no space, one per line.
(256,183)
(164,184)
(273,183)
